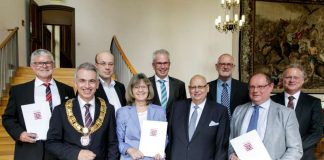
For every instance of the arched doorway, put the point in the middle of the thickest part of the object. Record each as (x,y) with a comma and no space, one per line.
(53,28)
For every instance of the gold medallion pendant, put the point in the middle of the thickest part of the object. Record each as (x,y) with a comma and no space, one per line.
(85,139)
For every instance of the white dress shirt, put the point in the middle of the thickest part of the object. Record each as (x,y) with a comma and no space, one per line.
(262,121)
(158,86)
(91,108)
(40,92)
(111,93)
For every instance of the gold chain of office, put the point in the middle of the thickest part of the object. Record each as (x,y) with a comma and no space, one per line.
(76,125)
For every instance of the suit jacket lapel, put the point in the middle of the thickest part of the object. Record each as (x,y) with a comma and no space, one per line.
(299,107)
(171,91)
(156,95)
(205,116)
(97,110)
(273,112)
(30,97)
(77,111)
(150,113)
(134,117)
(186,118)
(101,92)
(118,91)
(233,94)
(240,119)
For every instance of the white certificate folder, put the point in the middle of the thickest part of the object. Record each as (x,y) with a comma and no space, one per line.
(153,138)
(37,117)
(249,146)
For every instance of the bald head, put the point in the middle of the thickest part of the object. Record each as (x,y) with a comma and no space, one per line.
(198,89)
(105,65)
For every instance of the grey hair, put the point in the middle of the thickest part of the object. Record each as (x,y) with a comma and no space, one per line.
(86,66)
(41,52)
(296,66)
(160,51)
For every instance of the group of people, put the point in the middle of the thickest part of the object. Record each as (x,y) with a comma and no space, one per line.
(103,120)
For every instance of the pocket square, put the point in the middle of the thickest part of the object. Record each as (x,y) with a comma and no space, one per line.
(66,97)
(212,123)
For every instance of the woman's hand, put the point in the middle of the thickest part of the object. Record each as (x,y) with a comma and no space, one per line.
(158,157)
(135,154)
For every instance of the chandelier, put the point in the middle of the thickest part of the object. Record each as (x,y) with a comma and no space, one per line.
(230,24)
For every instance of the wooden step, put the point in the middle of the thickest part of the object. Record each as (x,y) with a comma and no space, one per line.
(7,149)
(6,140)
(7,157)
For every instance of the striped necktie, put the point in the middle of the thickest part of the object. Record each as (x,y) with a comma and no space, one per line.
(48,95)
(164,98)
(87,116)
(225,99)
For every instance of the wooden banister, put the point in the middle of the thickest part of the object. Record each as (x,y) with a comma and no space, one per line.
(130,66)
(9,37)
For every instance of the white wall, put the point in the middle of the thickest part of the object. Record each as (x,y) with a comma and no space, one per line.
(184,27)
(12,12)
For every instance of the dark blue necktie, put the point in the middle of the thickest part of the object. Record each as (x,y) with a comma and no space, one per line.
(225,99)
(254,119)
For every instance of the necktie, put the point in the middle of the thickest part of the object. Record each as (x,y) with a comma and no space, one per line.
(254,119)
(225,99)
(291,102)
(163,93)
(192,122)
(48,95)
(87,116)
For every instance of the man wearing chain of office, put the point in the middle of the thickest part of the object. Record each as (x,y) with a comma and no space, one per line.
(84,128)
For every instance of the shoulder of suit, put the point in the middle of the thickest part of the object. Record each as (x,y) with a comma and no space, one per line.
(119,83)
(309,97)
(213,82)
(22,86)
(176,80)
(62,84)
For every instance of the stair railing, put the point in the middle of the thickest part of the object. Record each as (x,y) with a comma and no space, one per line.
(8,58)
(124,70)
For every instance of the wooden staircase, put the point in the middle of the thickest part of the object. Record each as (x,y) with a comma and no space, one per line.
(25,74)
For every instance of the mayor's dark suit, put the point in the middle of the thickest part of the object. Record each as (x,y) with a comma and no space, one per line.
(64,141)
(120,90)
(309,116)
(177,91)
(239,93)
(14,123)
(210,139)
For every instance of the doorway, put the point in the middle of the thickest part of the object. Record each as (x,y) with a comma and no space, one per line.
(53,28)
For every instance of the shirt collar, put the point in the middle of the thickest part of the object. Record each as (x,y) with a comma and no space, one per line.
(112,82)
(39,82)
(220,82)
(296,95)
(82,102)
(264,105)
(201,105)
(157,78)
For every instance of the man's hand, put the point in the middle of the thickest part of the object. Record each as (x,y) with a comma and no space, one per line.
(86,155)
(135,154)
(28,137)
(233,156)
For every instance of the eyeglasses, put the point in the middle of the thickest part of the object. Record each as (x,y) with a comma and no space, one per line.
(197,87)
(39,64)
(105,64)
(140,87)
(161,63)
(292,78)
(225,64)
(258,87)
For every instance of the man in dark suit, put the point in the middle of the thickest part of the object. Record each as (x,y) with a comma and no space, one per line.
(26,146)
(198,128)
(85,127)
(227,90)
(110,90)
(307,108)
(166,88)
